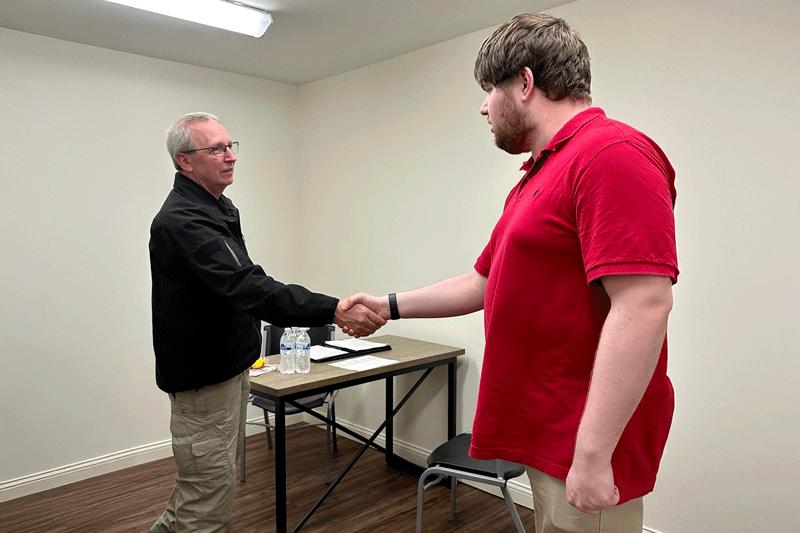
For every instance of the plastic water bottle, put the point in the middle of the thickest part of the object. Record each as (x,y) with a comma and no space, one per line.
(302,350)
(287,364)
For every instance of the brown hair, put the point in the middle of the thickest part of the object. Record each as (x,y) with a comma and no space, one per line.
(547,45)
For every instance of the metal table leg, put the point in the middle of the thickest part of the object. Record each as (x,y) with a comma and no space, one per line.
(452,388)
(389,444)
(280,465)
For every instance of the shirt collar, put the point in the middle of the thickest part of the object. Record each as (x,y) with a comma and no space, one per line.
(566,132)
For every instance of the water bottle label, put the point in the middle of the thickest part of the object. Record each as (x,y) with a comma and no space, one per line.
(285,347)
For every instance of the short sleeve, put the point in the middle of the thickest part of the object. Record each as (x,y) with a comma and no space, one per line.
(624,213)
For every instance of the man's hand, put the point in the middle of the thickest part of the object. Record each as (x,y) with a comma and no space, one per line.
(379,305)
(590,486)
(454,296)
(357,320)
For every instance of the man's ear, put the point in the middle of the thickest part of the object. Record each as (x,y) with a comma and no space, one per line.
(184,161)
(526,82)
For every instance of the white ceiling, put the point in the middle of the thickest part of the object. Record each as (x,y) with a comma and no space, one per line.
(309,39)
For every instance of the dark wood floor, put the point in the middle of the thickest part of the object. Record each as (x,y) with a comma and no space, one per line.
(372,498)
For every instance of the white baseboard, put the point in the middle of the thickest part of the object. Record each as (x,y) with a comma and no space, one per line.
(64,475)
(56,477)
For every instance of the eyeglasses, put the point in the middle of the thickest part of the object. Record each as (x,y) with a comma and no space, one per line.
(219,150)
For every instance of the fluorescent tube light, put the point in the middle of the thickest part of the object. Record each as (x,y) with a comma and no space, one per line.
(224,14)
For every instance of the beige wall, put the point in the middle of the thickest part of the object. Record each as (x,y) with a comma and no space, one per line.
(400,186)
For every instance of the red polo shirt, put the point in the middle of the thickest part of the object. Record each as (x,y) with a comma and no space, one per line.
(597,201)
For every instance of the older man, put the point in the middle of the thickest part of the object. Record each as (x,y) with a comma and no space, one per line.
(208,300)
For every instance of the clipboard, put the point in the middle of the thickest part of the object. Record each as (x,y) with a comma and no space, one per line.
(335,350)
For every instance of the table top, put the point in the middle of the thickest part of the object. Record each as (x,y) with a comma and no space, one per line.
(406,352)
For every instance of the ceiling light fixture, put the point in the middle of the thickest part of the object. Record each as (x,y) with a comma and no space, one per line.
(225,14)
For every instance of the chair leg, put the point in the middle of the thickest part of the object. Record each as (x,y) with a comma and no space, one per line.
(242,448)
(269,432)
(421,487)
(328,455)
(420,501)
(453,485)
(513,509)
(332,416)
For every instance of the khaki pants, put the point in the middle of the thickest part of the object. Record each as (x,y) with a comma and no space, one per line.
(553,514)
(206,425)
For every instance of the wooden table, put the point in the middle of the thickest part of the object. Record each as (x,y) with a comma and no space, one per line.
(410,355)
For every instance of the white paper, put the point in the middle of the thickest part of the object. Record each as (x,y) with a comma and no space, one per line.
(320,353)
(355,344)
(263,370)
(364,362)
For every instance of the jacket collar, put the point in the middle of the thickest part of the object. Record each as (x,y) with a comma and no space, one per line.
(194,191)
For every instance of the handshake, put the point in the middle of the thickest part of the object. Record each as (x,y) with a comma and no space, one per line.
(361,314)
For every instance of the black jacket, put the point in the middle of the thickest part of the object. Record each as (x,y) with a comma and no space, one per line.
(208,296)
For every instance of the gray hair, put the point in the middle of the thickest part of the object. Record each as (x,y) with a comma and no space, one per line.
(179,137)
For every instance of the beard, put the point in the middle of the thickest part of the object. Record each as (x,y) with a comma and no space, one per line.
(509,130)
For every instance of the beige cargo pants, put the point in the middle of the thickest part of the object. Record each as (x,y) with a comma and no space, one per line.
(205,426)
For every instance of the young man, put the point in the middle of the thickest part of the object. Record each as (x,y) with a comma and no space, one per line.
(576,285)
(208,300)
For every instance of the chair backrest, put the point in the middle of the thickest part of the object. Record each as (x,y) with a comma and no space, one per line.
(318,335)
